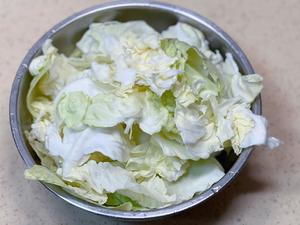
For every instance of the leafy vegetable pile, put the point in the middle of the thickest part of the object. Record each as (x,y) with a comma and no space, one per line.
(133,118)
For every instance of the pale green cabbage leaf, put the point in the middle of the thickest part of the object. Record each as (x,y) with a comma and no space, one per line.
(147,160)
(72,108)
(200,176)
(81,190)
(108,110)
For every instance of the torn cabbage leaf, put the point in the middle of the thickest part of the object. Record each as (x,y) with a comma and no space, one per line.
(134,48)
(83,191)
(193,37)
(72,109)
(147,160)
(154,114)
(200,176)
(190,123)
(74,146)
(108,110)
(104,177)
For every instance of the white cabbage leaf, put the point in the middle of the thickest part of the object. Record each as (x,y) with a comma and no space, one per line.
(190,123)
(147,160)
(249,128)
(134,48)
(75,146)
(246,87)
(154,114)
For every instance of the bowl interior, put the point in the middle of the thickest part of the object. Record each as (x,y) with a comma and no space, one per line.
(69,31)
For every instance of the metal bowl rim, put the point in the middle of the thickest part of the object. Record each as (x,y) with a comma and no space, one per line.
(151,214)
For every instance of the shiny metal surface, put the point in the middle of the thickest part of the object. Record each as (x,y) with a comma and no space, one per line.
(67,33)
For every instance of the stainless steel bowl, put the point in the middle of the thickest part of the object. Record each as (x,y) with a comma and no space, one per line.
(66,33)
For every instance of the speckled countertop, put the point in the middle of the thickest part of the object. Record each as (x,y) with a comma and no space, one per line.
(268,189)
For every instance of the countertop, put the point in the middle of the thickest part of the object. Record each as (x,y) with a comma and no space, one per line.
(268,189)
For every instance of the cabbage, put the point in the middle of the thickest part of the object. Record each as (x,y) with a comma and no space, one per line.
(122,202)
(190,123)
(201,149)
(72,109)
(43,174)
(193,37)
(145,62)
(200,176)
(105,177)
(108,110)
(82,191)
(246,87)
(147,160)
(248,128)
(154,114)
(74,146)
(133,118)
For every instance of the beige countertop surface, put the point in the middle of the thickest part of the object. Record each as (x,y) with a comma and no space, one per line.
(268,189)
